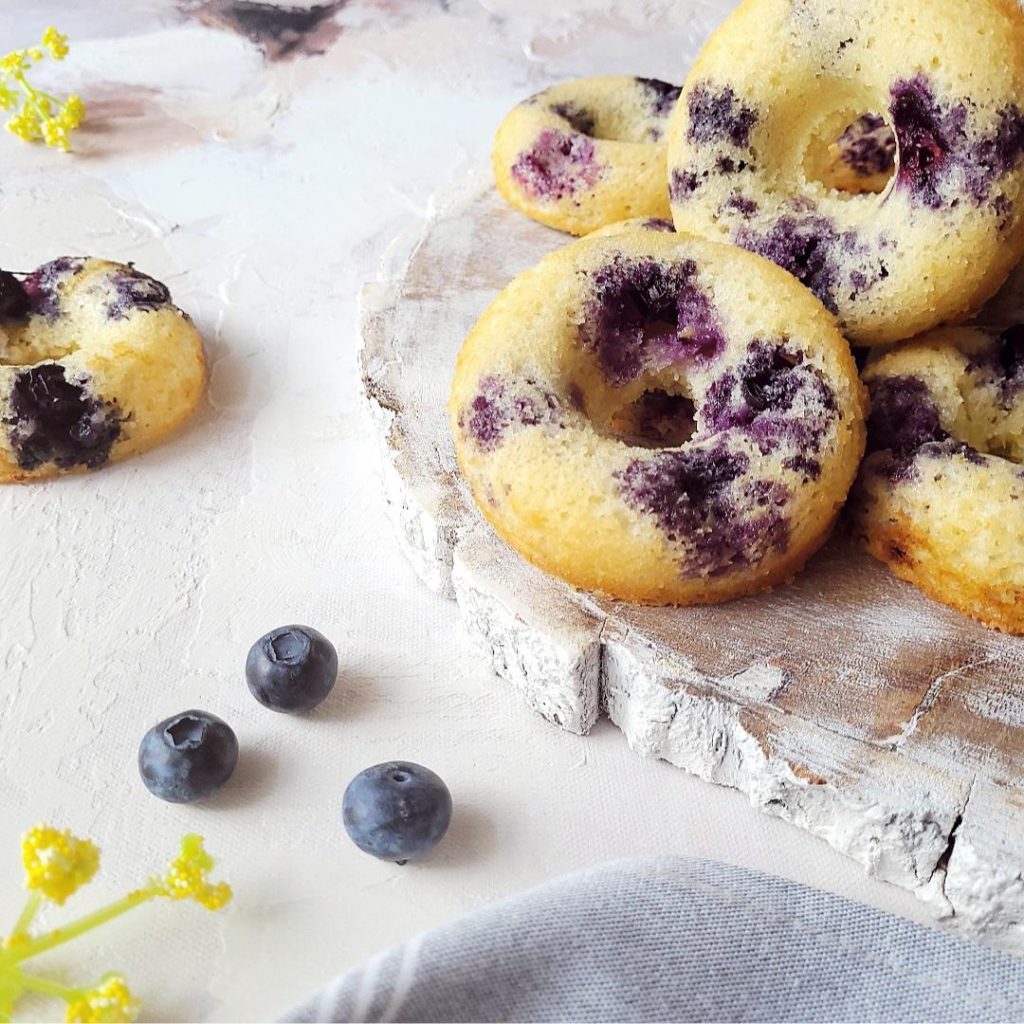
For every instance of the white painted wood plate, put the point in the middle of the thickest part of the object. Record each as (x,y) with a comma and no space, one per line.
(847,703)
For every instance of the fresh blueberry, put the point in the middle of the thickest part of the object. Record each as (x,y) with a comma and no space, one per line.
(397,810)
(292,668)
(187,757)
(14,300)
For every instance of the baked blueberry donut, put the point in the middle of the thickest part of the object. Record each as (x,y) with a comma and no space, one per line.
(659,418)
(96,364)
(588,152)
(754,144)
(940,498)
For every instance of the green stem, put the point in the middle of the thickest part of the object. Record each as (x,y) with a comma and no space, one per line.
(28,915)
(48,987)
(80,926)
(35,96)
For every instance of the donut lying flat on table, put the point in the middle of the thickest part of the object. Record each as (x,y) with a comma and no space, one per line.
(941,494)
(96,364)
(755,136)
(588,152)
(659,418)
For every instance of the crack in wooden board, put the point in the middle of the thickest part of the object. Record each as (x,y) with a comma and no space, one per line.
(847,702)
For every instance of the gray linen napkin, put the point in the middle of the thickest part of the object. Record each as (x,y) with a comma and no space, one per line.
(677,940)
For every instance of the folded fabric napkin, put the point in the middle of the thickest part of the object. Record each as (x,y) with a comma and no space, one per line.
(677,940)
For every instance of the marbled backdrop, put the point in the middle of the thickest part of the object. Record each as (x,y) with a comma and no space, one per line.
(258,160)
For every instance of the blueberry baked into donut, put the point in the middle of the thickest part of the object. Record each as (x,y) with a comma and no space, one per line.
(659,418)
(875,150)
(585,153)
(96,364)
(940,498)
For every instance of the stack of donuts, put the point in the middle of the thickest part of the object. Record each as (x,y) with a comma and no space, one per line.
(758,329)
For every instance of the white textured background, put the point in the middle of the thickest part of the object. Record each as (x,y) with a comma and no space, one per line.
(264,194)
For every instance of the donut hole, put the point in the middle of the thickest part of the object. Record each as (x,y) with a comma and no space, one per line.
(619,121)
(852,154)
(656,419)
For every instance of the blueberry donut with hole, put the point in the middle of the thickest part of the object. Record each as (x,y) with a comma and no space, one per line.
(659,418)
(588,152)
(96,364)
(940,499)
(881,161)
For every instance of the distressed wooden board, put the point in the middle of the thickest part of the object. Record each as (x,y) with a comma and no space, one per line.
(847,703)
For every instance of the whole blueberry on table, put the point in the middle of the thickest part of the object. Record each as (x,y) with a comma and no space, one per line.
(187,756)
(397,810)
(292,668)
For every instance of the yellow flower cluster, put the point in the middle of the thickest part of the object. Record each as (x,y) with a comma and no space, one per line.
(110,1002)
(186,877)
(57,864)
(37,116)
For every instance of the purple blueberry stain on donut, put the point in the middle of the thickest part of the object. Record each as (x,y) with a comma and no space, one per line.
(663,95)
(743,205)
(15,303)
(134,290)
(903,416)
(905,422)
(719,117)
(59,421)
(503,403)
(1002,207)
(643,316)
(772,376)
(831,263)
(684,184)
(725,165)
(807,466)
(1002,364)
(659,224)
(701,500)
(579,118)
(805,247)
(929,137)
(868,146)
(941,161)
(778,399)
(43,285)
(557,165)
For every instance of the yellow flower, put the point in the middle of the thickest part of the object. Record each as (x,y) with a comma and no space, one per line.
(25,125)
(13,63)
(72,112)
(110,1002)
(38,116)
(55,134)
(57,863)
(186,877)
(56,43)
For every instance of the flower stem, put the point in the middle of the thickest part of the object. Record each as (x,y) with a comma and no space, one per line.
(28,914)
(48,987)
(80,926)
